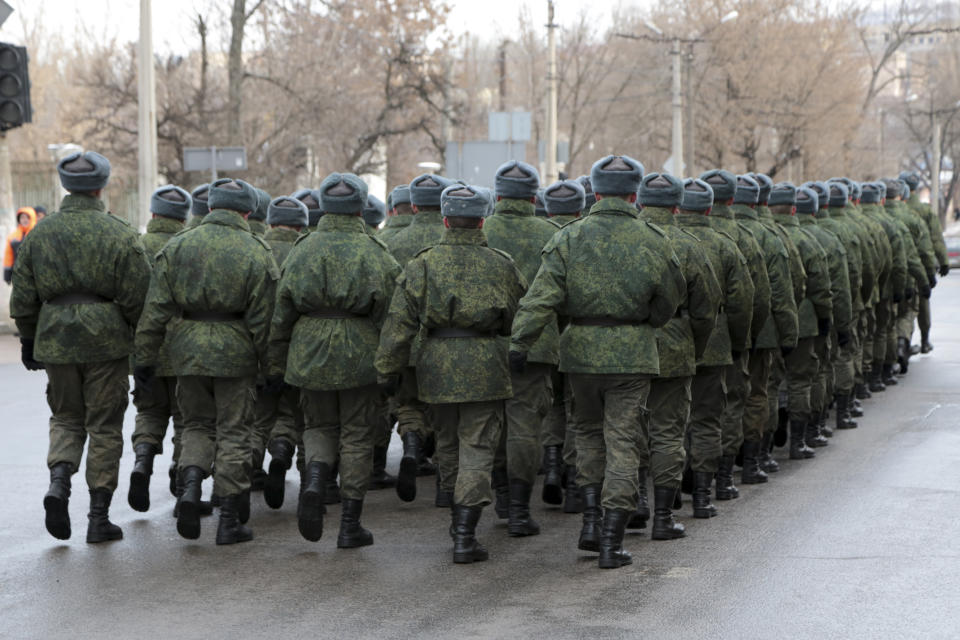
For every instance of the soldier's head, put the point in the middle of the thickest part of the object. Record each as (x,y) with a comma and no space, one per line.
(311,198)
(373,211)
(263,201)
(838,195)
(912,178)
(84,173)
(697,197)
(723,183)
(289,212)
(170,202)
(871,193)
(616,177)
(783,198)
(564,198)
(232,195)
(343,194)
(822,191)
(425,191)
(856,189)
(808,202)
(747,191)
(464,206)
(893,188)
(400,200)
(590,198)
(516,180)
(661,190)
(765,184)
(199,206)
(41,212)
(882,187)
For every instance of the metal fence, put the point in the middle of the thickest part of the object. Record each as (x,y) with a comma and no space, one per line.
(36,183)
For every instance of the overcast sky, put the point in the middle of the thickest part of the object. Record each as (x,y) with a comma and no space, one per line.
(173,30)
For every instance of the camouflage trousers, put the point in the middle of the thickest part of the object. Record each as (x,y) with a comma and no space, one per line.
(778,375)
(382,420)
(524,414)
(276,415)
(801,366)
(412,413)
(738,388)
(341,424)
(610,412)
(923,317)
(868,329)
(468,434)
(907,315)
(756,410)
(822,381)
(556,429)
(881,332)
(844,359)
(216,428)
(88,400)
(155,408)
(708,392)
(661,450)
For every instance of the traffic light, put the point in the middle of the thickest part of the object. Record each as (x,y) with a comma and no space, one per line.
(14,87)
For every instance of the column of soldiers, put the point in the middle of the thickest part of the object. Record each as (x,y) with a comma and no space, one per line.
(608,332)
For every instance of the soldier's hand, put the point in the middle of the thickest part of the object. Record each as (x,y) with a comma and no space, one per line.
(823,327)
(932,278)
(143,377)
(925,291)
(843,338)
(26,356)
(390,384)
(274,385)
(518,361)
(944,270)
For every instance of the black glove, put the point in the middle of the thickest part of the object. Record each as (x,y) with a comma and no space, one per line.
(925,291)
(143,377)
(786,351)
(390,384)
(518,361)
(273,385)
(932,278)
(944,270)
(823,327)
(908,294)
(843,338)
(26,355)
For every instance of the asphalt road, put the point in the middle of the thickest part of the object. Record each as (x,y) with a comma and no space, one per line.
(861,541)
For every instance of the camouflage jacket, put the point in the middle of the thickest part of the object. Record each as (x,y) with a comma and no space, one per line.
(682,341)
(851,245)
(920,236)
(159,232)
(780,329)
(514,229)
(878,253)
(925,212)
(218,266)
(337,268)
(257,227)
(281,241)
(81,249)
(732,332)
(895,283)
(193,221)
(722,218)
(393,226)
(797,276)
(605,265)
(560,221)
(423,232)
(836,258)
(459,283)
(816,304)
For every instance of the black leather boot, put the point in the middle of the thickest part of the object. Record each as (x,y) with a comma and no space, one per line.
(57,501)
(798,448)
(552,475)
(812,436)
(925,345)
(352,534)
(332,492)
(876,380)
(767,463)
(702,507)
(725,487)
(612,553)
(825,430)
(243,507)
(173,474)
(886,374)
(844,421)
(310,510)
(407,476)
(188,505)
(99,527)
(519,522)
(258,477)
(427,451)
(664,528)
(752,473)
(903,355)
(686,480)
(138,496)
(572,500)
(501,489)
(854,406)
(780,435)
(466,548)
(380,479)
(443,499)
(281,459)
(230,530)
(590,531)
(638,519)
(861,391)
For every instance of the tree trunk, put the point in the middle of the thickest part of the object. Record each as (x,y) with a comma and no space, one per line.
(238,20)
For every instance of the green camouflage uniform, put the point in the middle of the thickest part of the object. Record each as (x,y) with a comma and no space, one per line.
(85,346)
(331,303)
(618,280)
(393,226)
(920,236)
(895,289)
(459,284)
(880,256)
(221,279)
(925,212)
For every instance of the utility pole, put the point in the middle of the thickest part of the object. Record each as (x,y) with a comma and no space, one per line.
(146,116)
(677,101)
(935,170)
(6,183)
(551,172)
(502,64)
(688,151)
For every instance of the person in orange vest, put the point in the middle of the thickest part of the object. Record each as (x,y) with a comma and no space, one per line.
(26,220)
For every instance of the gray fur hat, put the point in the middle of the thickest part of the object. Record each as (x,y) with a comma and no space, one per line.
(86,171)
(871,193)
(374,211)
(807,200)
(616,175)
(263,201)
(839,194)
(464,201)
(311,198)
(170,202)
(660,190)
(748,190)
(516,179)
(199,206)
(589,197)
(697,195)
(426,188)
(287,210)
(399,195)
(783,193)
(765,184)
(823,191)
(723,183)
(564,197)
(343,193)
(233,195)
